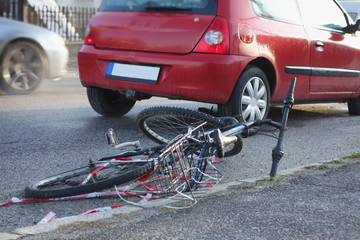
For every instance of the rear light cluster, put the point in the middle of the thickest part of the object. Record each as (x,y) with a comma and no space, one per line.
(216,38)
(88,38)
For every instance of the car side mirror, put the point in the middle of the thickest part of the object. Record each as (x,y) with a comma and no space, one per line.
(357,25)
(353,28)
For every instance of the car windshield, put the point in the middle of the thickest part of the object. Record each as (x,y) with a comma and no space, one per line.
(168,6)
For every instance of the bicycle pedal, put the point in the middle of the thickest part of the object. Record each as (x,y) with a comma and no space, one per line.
(111,138)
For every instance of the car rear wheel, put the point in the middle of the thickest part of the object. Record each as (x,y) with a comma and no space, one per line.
(354,106)
(109,102)
(250,99)
(23,68)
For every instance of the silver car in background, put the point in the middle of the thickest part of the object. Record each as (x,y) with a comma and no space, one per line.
(29,55)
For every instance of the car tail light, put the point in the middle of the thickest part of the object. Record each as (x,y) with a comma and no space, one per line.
(216,38)
(88,38)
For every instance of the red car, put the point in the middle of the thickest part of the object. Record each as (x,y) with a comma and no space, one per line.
(238,54)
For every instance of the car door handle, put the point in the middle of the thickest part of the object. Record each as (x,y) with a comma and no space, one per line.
(319,44)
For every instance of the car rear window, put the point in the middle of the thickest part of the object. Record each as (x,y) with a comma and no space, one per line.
(278,10)
(168,6)
(353,15)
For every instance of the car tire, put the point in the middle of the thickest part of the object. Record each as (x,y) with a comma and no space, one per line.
(250,99)
(23,68)
(108,102)
(354,106)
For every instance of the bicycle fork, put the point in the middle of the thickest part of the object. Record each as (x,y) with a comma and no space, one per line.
(277,152)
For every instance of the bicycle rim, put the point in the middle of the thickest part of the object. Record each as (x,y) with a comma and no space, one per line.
(72,182)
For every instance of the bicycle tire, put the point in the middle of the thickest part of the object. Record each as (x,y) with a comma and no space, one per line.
(162,124)
(56,186)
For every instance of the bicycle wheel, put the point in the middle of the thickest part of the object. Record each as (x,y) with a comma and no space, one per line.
(71,183)
(162,124)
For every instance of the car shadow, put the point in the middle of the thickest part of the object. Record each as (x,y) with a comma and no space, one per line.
(300,114)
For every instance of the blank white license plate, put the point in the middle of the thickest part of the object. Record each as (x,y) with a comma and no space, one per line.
(133,73)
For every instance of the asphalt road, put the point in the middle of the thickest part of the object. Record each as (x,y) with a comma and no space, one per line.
(54,129)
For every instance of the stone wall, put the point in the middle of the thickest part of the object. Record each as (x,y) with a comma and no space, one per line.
(73,48)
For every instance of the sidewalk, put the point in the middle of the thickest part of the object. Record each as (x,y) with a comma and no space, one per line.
(320,202)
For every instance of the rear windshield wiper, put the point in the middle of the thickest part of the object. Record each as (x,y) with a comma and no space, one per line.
(165,9)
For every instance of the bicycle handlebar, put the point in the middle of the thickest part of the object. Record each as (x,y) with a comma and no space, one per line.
(135,144)
(113,142)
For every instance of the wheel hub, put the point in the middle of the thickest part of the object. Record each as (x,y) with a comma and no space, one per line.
(253,102)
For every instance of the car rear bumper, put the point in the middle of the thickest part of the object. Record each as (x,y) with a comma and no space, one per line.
(195,76)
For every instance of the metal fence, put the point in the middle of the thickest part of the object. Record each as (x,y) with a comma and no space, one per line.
(11,9)
(68,22)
